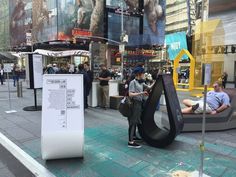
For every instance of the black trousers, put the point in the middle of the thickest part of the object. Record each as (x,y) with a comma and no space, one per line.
(132,132)
(223,84)
(1,79)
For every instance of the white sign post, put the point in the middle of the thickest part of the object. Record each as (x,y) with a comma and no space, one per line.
(207,75)
(62,134)
(207,81)
(121,48)
(37,71)
(7,69)
(35,75)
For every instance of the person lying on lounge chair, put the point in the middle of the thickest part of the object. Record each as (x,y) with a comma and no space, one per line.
(216,101)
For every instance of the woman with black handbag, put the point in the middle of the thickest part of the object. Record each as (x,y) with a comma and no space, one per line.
(137,94)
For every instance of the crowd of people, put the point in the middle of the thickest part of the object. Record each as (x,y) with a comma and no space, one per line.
(83,69)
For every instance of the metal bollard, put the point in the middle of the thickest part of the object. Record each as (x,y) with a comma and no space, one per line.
(19,89)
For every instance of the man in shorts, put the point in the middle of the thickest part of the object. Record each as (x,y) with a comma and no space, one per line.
(216,101)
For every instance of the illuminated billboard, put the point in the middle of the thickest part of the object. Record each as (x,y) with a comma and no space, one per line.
(153,21)
(132,4)
(4,24)
(131,27)
(80,17)
(20,21)
(175,43)
(44,20)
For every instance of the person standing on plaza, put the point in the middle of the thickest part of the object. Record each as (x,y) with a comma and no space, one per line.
(55,68)
(72,68)
(15,74)
(86,80)
(137,92)
(1,74)
(104,78)
(224,78)
(90,79)
(49,69)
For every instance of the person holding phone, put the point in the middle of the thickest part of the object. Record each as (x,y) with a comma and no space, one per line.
(137,92)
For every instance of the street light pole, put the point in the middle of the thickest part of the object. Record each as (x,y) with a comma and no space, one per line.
(122,42)
(204,17)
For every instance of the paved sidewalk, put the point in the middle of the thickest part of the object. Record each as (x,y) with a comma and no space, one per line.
(106,152)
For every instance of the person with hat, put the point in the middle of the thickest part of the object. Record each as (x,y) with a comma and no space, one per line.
(137,92)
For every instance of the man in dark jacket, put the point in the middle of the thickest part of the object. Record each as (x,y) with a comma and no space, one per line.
(90,78)
(104,77)
(224,78)
(86,80)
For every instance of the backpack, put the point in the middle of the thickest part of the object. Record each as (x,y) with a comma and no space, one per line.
(126,107)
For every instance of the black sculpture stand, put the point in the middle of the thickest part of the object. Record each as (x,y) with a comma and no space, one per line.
(149,131)
(35,107)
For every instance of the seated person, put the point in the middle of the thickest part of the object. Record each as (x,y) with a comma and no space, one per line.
(216,101)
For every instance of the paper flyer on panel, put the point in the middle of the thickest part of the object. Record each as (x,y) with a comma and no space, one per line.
(62,116)
(38,71)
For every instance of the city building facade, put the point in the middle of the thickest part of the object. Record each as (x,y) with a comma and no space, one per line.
(74,24)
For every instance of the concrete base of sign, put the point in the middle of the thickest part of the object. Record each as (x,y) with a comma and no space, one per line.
(60,145)
(33,108)
(11,111)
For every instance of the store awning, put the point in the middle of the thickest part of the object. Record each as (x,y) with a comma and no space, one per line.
(8,57)
(65,53)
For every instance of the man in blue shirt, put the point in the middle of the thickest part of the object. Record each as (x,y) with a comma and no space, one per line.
(216,101)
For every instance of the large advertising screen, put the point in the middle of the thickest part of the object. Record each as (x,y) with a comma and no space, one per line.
(225,10)
(20,21)
(175,43)
(80,17)
(154,22)
(4,24)
(44,20)
(131,27)
(132,4)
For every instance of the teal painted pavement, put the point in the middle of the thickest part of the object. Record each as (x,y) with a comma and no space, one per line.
(106,153)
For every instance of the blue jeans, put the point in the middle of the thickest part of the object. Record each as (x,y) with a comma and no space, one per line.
(1,79)
(158,106)
(15,79)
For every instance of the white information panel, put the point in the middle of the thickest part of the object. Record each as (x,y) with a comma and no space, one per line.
(8,67)
(207,79)
(38,70)
(62,134)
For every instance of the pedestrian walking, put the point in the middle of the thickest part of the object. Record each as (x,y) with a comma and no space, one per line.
(15,74)
(1,74)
